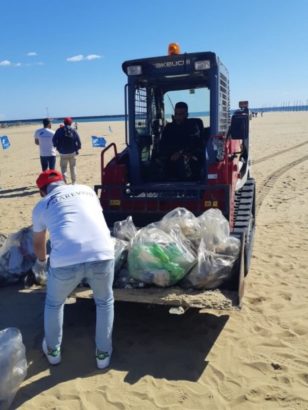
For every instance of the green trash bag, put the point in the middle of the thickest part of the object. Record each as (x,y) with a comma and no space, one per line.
(156,257)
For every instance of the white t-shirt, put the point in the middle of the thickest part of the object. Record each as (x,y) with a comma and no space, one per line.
(44,136)
(78,231)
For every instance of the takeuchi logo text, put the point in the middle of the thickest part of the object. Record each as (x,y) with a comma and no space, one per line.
(177,63)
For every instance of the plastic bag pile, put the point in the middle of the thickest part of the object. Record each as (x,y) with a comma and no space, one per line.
(180,249)
(13,365)
(16,256)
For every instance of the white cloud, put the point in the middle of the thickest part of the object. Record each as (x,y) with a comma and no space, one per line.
(5,63)
(92,57)
(32,53)
(81,57)
(75,59)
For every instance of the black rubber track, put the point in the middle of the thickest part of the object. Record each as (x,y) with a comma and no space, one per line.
(244,215)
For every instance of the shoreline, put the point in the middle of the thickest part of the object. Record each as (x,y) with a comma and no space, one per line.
(121,117)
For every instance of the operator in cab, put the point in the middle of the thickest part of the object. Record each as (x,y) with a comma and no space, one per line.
(181,149)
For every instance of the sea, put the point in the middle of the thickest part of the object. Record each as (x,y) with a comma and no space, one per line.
(121,117)
(95,118)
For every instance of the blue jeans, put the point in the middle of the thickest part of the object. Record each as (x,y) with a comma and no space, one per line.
(48,162)
(62,281)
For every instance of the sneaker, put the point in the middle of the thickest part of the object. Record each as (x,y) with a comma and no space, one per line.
(102,359)
(53,355)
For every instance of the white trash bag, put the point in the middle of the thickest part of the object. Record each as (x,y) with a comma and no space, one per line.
(16,256)
(187,223)
(120,253)
(13,365)
(212,268)
(125,229)
(217,253)
(214,228)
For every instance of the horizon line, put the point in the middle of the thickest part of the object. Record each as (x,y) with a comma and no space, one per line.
(302,107)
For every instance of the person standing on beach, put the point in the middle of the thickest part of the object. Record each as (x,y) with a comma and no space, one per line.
(43,137)
(81,248)
(67,142)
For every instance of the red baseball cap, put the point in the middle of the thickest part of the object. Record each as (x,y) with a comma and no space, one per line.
(47,177)
(68,121)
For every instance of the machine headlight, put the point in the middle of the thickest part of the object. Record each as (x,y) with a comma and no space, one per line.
(134,70)
(202,65)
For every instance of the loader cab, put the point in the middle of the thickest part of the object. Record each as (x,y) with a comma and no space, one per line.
(154,86)
(128,186)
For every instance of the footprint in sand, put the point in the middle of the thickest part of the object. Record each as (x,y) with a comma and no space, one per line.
(304,378)
(286,296)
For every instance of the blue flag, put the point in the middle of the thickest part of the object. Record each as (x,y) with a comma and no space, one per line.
(5,142)
(99,142)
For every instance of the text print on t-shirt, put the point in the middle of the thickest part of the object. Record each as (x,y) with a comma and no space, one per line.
(54,199)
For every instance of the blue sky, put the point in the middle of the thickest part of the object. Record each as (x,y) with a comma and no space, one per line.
(64,56)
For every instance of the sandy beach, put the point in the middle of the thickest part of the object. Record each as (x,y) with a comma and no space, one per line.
(255,358)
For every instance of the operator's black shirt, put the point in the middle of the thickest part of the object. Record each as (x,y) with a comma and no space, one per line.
(184,137)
